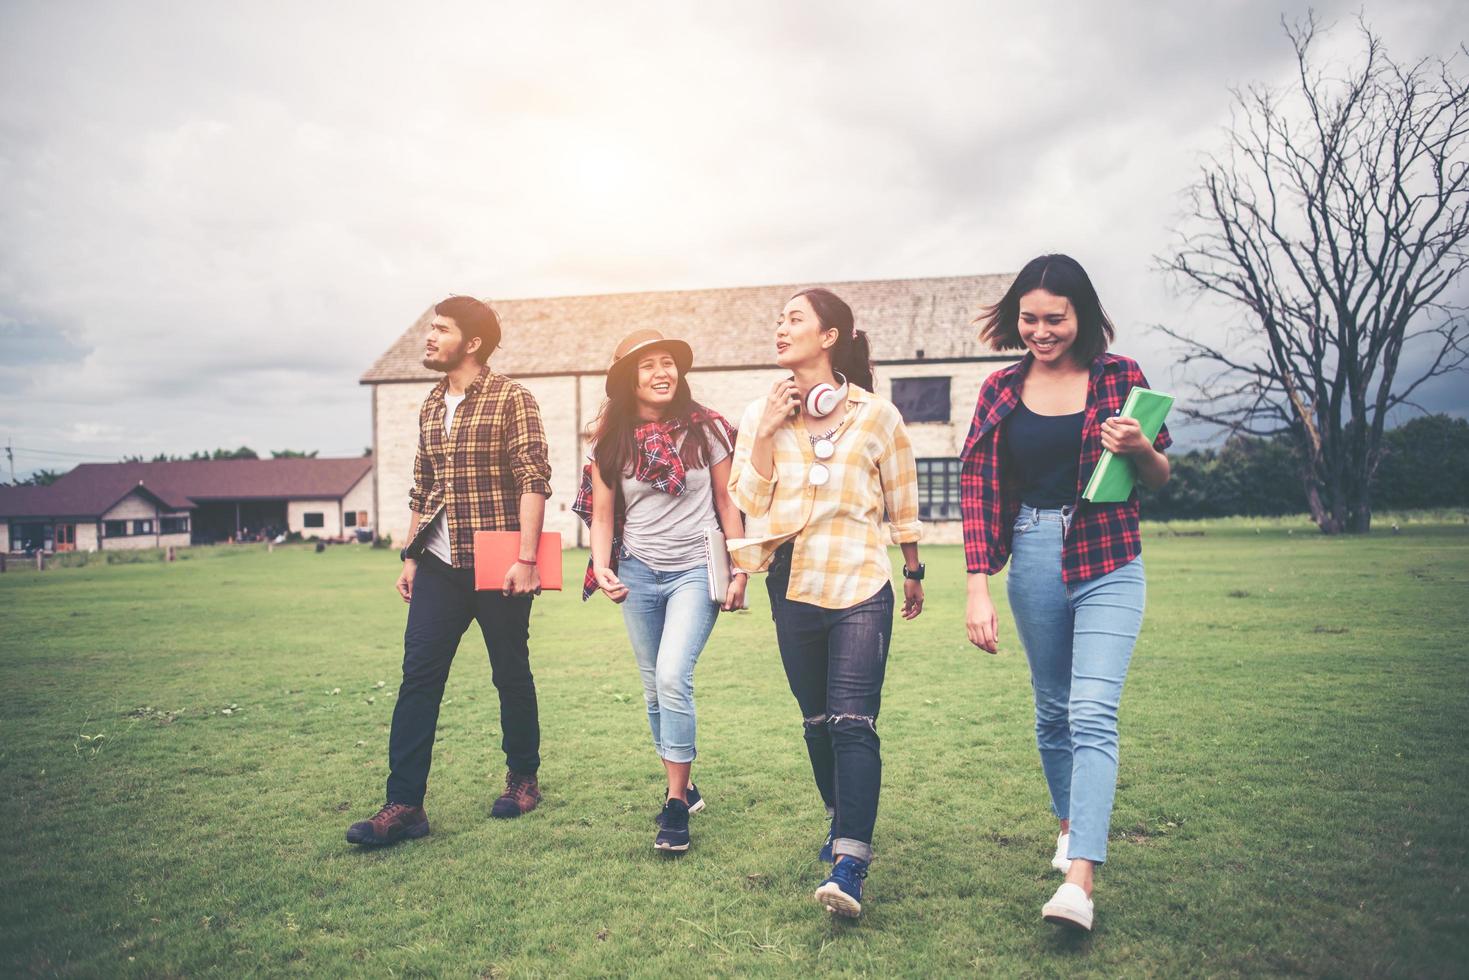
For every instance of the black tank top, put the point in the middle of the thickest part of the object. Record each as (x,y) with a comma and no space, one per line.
(1044,450)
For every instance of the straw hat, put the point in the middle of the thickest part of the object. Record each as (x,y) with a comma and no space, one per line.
(625,358)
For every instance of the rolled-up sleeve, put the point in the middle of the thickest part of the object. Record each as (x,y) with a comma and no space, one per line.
(530,458)
(751,492)
(898,471)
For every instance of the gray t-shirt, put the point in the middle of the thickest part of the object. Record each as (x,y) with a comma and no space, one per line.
(664,531)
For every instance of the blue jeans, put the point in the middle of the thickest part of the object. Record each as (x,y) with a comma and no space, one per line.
(835,660)
(1078,639)
(669,617)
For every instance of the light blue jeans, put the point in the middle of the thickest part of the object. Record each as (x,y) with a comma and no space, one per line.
(669,617)
(1079,640)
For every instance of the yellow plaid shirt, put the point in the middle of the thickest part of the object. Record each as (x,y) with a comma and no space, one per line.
(840,556)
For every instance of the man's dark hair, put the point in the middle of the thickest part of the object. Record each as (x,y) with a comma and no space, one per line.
(1060,275)
(474,319)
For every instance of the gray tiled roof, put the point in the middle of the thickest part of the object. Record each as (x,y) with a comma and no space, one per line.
(91,489)
(726,327)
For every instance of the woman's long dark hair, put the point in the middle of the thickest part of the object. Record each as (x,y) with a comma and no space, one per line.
(612,432)
(1059,275)
(852,355)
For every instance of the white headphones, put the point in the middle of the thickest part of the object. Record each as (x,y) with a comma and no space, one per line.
(823,399)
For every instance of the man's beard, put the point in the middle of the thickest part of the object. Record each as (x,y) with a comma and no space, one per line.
(445,363)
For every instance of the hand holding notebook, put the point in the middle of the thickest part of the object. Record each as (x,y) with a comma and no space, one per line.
(1113,479)
(496,551)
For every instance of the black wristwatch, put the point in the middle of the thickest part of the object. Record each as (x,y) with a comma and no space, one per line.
(917,576)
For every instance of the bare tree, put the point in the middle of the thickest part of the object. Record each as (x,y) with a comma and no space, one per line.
(1336,222)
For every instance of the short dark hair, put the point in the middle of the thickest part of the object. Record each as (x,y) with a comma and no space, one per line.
(474,319)
(1060,275)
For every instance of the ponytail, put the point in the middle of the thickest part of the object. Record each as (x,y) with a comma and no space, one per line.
(852,355)
(853,360)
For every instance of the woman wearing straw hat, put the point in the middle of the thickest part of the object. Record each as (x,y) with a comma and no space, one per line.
(825,470)
(657,482)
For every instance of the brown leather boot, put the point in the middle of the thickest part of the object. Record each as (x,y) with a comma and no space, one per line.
(521,795)
(389,825)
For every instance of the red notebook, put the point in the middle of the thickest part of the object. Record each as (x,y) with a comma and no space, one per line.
(496,551)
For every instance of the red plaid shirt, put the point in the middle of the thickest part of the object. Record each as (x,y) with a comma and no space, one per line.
(1103,537)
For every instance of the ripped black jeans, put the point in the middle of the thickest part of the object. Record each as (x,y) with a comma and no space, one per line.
(834,661)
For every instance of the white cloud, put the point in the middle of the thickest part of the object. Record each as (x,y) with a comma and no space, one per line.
(214,217)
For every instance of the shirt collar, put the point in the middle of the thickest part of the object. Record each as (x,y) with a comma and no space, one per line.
(1102,363)
(472,388)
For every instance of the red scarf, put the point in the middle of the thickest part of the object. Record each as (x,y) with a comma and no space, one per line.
(657,462)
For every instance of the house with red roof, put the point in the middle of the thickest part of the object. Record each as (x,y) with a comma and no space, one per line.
(111,506)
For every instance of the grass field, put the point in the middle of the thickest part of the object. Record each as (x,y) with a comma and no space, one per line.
(186,743)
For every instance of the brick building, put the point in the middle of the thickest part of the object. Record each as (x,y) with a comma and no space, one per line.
(112,506)
(929,363)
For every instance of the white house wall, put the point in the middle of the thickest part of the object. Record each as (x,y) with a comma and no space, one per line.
(89,536)
(359,499)
(394,444)
(331,518)
(131,508)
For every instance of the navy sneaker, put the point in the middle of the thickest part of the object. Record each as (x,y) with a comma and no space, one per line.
(831,833)
(673,830)
(691,797)
(841,893)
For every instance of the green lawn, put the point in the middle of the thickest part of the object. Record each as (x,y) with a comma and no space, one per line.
(186,743)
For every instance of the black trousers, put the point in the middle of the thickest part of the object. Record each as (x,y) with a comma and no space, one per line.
(835,660)
(444,603)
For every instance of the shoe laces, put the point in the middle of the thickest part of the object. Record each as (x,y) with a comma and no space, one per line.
(849,871)
(392,809)
(517,782)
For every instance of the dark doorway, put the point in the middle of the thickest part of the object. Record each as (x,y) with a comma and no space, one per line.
(215,520)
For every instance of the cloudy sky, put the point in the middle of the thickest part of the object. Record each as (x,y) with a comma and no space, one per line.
(213,217)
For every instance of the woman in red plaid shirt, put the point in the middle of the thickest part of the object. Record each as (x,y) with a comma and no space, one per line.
(1076,583)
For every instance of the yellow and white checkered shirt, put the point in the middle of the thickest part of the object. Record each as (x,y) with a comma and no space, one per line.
(840,557)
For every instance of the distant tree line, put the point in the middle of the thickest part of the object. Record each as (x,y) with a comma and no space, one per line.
(244,452)
(1425,463)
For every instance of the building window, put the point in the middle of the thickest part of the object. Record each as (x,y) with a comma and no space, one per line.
(349,518)
(922,399)
(174,525)
(314,519)
(938,489)
(143,527)
(114,529)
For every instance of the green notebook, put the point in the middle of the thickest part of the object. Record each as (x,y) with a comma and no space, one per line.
(1114,476)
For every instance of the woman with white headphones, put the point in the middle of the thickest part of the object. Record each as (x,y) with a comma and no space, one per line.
(816,465)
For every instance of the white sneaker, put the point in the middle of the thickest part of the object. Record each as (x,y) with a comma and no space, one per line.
(1069,907)
(1060,862)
